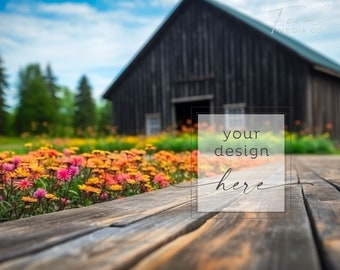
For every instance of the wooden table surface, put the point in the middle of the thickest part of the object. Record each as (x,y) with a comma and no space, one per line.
(161,230)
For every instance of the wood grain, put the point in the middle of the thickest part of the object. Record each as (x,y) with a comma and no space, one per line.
(39,232)
(163,230)
(323,203)
(243,243)
(115,247)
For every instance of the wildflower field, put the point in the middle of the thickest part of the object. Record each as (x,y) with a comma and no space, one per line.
(48,175)
(47,180)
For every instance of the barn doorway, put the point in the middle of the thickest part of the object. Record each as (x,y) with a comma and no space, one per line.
(186,112)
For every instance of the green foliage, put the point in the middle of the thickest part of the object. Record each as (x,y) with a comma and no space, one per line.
(104,119)
(35,111)
(3,112)
(185,142)
(309,144)
(294,144)
(84,109)
(53,90)
(64,126)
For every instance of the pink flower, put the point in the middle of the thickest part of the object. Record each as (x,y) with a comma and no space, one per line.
(39,193)
(162,180)
(64,202)
(67,152)
(64,175)
(23,184)
(104,196)
(77,160)
(195,153)
(16,161)
(121,178)
(1,198)
(73,170)
(7,167)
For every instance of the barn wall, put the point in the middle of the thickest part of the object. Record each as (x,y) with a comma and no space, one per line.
(204,52)
(324,97)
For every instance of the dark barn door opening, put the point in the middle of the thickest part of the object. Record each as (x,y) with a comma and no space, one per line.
(186,113)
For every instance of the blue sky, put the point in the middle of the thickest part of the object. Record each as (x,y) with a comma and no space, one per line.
(99,37)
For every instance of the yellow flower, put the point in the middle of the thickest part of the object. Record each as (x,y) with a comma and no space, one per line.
(89,189)
(94,181)
(51,196)
(98,152)
(29,199)
(145,178)
(28,145)
(87,155)
(94,162)
(36,169)
(21,173)
(131,181)
(116,187)
(149,187)
(149,147)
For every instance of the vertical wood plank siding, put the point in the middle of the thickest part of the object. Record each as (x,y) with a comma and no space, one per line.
(203,51)
(325,98)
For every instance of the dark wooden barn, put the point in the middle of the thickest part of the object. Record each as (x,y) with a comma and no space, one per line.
(207,56)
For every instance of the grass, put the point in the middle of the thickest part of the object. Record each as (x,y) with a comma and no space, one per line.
(295,144)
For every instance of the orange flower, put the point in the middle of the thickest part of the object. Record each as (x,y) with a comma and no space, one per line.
(329,126)
(297,122)
(28,199)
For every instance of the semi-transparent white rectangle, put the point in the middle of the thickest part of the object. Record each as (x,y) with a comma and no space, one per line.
(241,168)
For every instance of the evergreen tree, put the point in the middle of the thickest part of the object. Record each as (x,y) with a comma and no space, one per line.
(35,110)
(51,82)
(84,109)
(3,106)
(66,112)
(105,118)
(53,89)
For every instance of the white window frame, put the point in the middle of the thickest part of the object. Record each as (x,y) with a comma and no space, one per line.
(153,123)
(235,115)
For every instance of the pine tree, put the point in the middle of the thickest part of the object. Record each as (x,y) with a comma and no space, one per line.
(66,112)
(53,89)
(84,109)
(34,113)
(3,106)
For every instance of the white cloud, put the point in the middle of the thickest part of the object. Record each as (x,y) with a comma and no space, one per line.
(66,9)
(93,41)
(164,3)
(147,3)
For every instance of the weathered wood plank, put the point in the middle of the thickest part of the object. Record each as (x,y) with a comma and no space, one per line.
(243,243)
(323,203)
(244,197)
(327,167)
(162,230)
(114,247)
(35,233)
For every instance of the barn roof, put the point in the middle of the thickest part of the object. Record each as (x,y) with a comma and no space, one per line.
(320,61)
(302,50)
